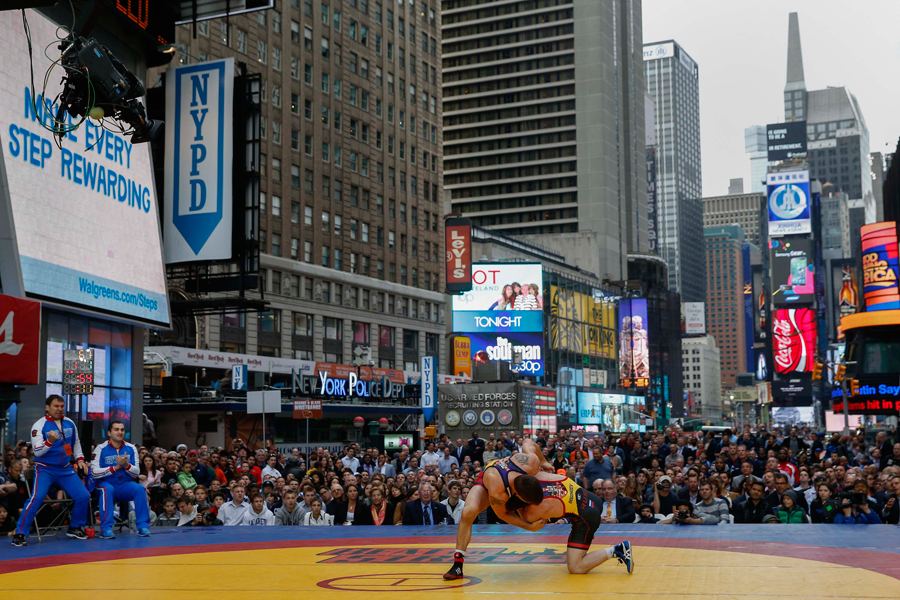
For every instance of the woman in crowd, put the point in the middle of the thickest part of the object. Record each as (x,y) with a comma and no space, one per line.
(400,510)
(317,517)
(345,513)
(380,512)
(823,509)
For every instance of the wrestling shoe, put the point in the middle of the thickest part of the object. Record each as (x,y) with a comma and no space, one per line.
(456,571)
(622,551)
(107,534)
(77,533)
(19,540)
(144,532)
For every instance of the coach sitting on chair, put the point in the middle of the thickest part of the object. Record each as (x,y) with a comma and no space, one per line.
(425,511)
(115,469)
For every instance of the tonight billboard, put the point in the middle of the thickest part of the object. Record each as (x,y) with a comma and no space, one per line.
(504,298)
(634,349)
(793,270)
(794,340)
(789,203)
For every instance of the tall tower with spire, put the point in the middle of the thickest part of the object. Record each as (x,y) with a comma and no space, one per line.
(795,87)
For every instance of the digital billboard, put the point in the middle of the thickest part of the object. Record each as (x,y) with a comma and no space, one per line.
(794,340)
(844,294)
(790,416)
(84,211)
(786,141)
(793,270)
(789,203)
(613,412)
(506,297)
(582,323)
(538,409)
(634,349)
(878,395)
(880,266)
(748,307)
(500,347)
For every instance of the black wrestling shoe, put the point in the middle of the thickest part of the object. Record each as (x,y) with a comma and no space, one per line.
(77,533)
(456,571)
(19,540)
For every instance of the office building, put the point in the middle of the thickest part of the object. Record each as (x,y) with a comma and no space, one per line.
(837,136)
(736,209)
(725,302)
(351,207)
(544,120)
(702,377)
(672,80)
(755,146)
(878,167)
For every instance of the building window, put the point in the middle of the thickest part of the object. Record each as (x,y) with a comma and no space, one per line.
(334,328)
(269,321)
(360,333)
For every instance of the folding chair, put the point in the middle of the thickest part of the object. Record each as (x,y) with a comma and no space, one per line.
(59,521)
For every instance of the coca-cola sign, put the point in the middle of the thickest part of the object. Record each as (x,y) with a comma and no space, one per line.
(793,340)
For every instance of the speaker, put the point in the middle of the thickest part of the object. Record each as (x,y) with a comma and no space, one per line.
(175,388)
(86,437)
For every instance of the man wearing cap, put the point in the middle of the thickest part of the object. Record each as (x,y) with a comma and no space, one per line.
(664,500)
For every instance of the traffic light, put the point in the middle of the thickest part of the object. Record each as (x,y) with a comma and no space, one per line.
(840,373)
(854,387)
(817,371)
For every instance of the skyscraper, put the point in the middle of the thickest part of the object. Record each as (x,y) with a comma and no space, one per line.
(838,139)
(544,120)
(755,146)
(725,315)
(672,80)
(735,209)
(351,210)
(702,377)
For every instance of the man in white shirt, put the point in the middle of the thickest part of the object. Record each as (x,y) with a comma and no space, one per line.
(258,513)
(350,460)
(232,513)
(430,457)
(188,511)
(454,503)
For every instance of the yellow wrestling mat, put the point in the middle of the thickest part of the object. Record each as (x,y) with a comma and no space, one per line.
(376,572)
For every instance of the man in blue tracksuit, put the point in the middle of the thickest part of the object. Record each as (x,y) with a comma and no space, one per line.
(57,460)
(115,468)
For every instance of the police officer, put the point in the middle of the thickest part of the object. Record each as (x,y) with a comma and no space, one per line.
(58,460)
(115,468)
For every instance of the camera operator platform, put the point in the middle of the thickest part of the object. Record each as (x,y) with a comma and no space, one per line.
(114,467)
(58,460)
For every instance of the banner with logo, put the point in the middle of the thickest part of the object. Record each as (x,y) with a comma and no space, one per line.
(484,408)
(199,150)
(20,340)
(461,360)
(880,266)
(793,270)
(501,347)
(789,203)
(428,381)
(794,340)
(458,233)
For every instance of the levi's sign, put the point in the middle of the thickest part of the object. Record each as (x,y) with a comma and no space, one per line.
(198,203)
(458,233)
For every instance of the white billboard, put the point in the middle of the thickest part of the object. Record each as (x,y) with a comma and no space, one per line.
(694,318)
(84,212)
(199,127)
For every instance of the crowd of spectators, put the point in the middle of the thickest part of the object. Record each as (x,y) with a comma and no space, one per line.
(664,477)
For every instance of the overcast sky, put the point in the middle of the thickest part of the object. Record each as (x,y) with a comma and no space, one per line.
(741,50)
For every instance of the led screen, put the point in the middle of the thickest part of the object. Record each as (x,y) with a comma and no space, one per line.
(84,212)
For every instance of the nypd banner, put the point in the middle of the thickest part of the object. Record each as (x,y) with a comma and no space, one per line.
(199,123)
(789,203)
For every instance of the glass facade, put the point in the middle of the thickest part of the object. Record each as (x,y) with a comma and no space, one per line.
(112,343)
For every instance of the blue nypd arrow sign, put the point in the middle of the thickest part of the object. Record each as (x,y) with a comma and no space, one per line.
(199,121)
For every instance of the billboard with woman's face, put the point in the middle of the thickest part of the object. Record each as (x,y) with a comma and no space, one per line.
(505,297)
(634,349)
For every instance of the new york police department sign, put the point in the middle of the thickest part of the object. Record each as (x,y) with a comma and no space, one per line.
(199,123)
